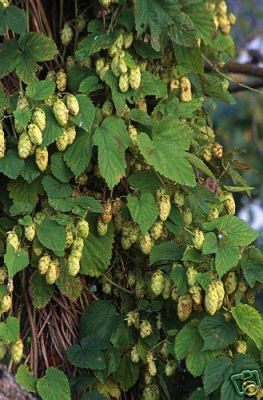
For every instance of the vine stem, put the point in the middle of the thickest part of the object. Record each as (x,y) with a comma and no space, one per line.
(116,284)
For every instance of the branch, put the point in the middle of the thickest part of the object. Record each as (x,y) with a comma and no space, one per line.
(249,69)
(239,88)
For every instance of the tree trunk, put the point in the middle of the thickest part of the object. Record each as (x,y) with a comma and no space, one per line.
(9,388)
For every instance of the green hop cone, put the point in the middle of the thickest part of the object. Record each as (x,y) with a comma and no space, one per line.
(83,229)
(2,143)
(157,282)
(198,239)
(135,78)
(140,288)
(107,108)
(41,157)
(5,3)
(211,300)
(66,35)
(71,134)
(191,275)
(135,355)
(24,146)
(62,141)
(124,83)
(187,216)
(230,283)
(167,288)
(81,23)
(100,63)
(35,134)
(126,243)
(69,237)
(185,89)
(70,63)
(145,329)
(156,230)
(72,104)
(105,3)
(133,133)
(170,368)
(213,214)
(131,280)
(179,198)
(5,303)
(102,227)
(61,81)
(78,244)
(3,275)
(133,319)
(220,292)
(17,351)
(115,66)
(73,265)
(241,346)
(39,118)
(146,244)
(30,232)
(61,113)
(122,66)
(184,307)
(196,292)
(164,207)
(151,393)
(52,273)
(127,39)
(2,350)
(13,240)
(43,264)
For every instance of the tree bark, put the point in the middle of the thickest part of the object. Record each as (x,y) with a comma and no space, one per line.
(9,388)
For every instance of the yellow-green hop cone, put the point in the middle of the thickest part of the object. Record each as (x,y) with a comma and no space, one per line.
(174,294)
(17,351)
(35,134)
(78,244)
(66,34)
(167,288)
(5,303)
(3,275)
(41,157)
(156,230)
(133,133)
(100,63)
(184,307)
(135,355)
(157,282)
(217,150)
(211,300)
(213,214)
(61,81)
(124,83)
(30,232)
(70,63)
(146,244)
(140,288)
(187,216)
(207,154)
(39,118)
(107,108)
(131,279)
(24,146)
(164,207)
(127,39)
(241,346)
(230,204)
(145,329)
(135,78)
(179,198)
(61,113)
(152,370)
(191,275)
(170,368)
(115,66)
(151,393)
(122,66)
(62,141)
(69,237)
(5,3)
(2,143)
(71,134)
(80,23)
(196,293)
(2,350)
(103,71)
(83,229)
(105,3)
(73,265)
(126,243)
(43,264)
(220,292)
(72,104)
(231,282)
(52,273)
(102,228)
(185,90)
(13,240)
(198,239)
(133,319)
(250,296)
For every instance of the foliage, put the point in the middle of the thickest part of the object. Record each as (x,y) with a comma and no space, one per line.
(113,193)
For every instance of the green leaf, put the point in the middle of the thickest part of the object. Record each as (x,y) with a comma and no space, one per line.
(78,155)
(198,394)
(144,181)
(23,192)
(86,114)
(204,279)
(127,374)
(90,84)
(141,117)
(26,379)
(97,251)
(52,236)
(152,86)
(59,168)
(250,322)
(94,42)
(189,345)
(90,204)
(119,98)
(99,319)
(11,165)
(228,391)
(165,251)
(40,90)
(15,261)
(52,130)
(183,31)
(143,209)
(216,372)
(30,171)
(210,243)
(9,54)
(237,230)
(112,140)
(252,266)
(93,396)
(69,286)
(4,101)
(14,18)
(22,117)
(217,332)
(87,355)
(199,164)
(41,48)
(41,292)
(166,151)
(54,385)
(9,330)
(54,188)
(178,276)
(157,16)
(203,23)
(227,256)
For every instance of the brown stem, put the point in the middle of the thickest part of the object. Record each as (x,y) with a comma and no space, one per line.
(237,68)
(34,336)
